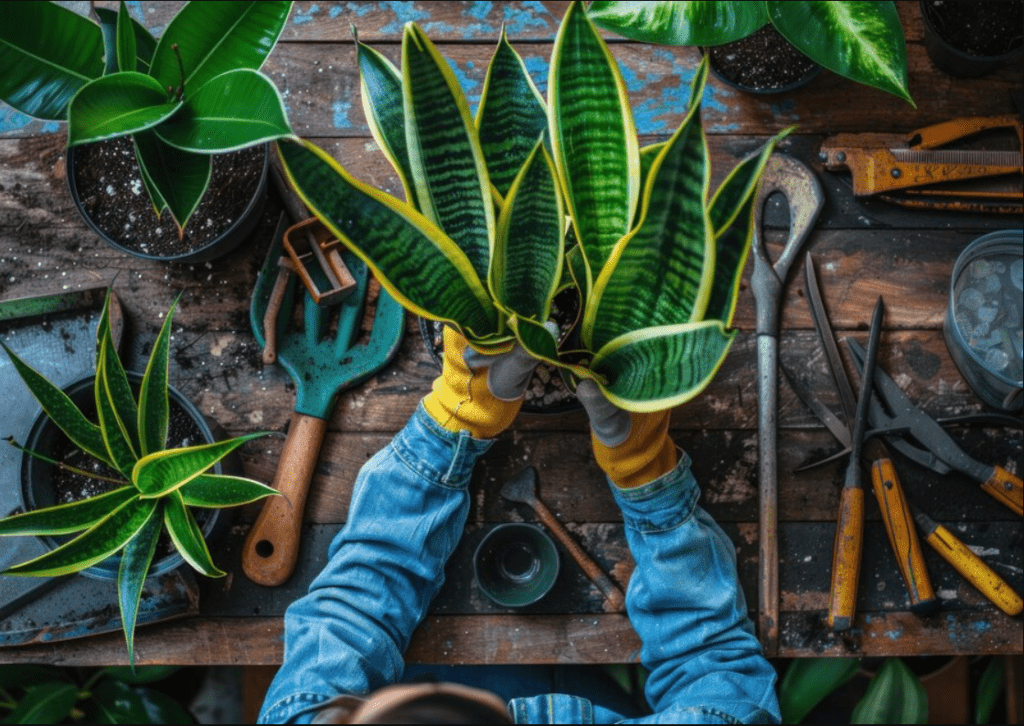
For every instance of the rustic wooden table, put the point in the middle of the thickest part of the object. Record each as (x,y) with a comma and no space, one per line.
(863,249)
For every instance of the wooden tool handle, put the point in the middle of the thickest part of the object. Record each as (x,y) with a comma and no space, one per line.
(899,526)
(272,546)
(846,559)
(1005,488)
(975,571)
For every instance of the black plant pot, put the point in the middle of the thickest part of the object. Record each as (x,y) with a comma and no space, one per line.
(950,56)
(236,232)
(37,476)
(763,63)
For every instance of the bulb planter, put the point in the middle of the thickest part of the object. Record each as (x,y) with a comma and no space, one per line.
(953,56)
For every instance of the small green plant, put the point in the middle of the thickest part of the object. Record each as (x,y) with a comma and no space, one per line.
(862,41)
(152,490)
(194,92)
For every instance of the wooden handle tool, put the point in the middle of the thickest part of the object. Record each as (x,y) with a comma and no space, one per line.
(1005,488)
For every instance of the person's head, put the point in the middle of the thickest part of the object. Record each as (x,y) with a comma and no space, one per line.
(447,703)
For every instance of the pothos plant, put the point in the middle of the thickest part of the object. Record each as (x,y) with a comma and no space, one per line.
(153,485)
(481,242)
(862,41)
(194,92)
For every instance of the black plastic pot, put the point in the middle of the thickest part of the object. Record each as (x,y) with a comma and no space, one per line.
(956,62)
(228,240)
(37,475)
(767,35)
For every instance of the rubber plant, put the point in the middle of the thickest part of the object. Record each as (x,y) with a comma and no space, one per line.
(152,488)
(862,41)
(194,92)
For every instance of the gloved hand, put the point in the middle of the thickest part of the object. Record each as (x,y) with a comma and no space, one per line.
(478,393)
(631,448)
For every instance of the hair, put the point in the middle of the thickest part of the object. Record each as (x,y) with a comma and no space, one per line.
(440,708)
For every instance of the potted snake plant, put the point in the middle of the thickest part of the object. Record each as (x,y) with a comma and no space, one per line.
(655,262)
(164,116)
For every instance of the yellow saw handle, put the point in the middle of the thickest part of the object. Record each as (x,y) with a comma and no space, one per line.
(975,571)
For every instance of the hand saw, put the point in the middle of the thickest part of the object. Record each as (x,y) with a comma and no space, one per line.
(912,171)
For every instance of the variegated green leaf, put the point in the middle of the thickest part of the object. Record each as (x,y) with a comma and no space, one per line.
(117,105)
(511,116)
(125,39)
(593,137)
(154,407)
(216,490)
(122,398)
(175,179)
(576,264)
(658,368)
(96,544)
(115,434)
(66,518)
(414,261)
(679,23)
(449,174)
(540,343)
(187,537)
(131,575)
(862,41)
(161,472)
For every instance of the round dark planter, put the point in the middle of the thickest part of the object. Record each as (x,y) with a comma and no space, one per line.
(949,54)
(37,475)
(232,236)
(763,63)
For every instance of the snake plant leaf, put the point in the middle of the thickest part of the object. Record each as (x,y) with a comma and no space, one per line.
(380,86)
(66,518)
(62,411)
(115,105)
(539,341)
(120,391)
(234,110)
(97,543)
(187,537)
(47,53)
(145,43)
(175,179)
(217,490)
(126,55)
(131,575)
(154,405)
(51,702)
(161,472)
(808,681)
(862,41)
(593,137)
(576,264)
(213,38)
(527,263)
(658,368)
(679,23)
(114,430)
(452,187)
(894,695)
(415,262)
(510,117)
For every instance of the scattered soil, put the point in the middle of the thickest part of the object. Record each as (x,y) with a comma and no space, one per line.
(980,29)
(763,61)
(112,193)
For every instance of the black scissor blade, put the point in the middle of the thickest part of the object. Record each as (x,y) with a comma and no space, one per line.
(828,341)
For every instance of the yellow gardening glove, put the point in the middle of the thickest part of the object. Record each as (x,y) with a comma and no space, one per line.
(631,448)
(478,393)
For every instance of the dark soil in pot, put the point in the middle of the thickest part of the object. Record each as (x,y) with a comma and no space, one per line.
(763,62)
(983,29)
(110,191)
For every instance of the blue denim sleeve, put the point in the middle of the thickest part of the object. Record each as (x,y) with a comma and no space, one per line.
(684,601)
(349,633)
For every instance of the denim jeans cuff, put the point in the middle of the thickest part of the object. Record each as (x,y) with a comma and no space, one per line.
(661,504)
(442,456)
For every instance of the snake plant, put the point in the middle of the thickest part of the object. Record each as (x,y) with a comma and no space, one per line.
(194,92)
(657,263)
(152,487)
(862,41)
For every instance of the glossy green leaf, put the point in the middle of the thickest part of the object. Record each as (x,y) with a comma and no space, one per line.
(593,137)
(576,263)
(97,543)
(187,537)
(658,368)
(114,701)
(808,681)
(67,518)
(122,398)
(213,38)
(131,575)
(47,53)
(176,179)
(527,263)
(62,411)
(233,111)
(45,703)
(540,343)
(679,23)
(990,687)
(113,429)
(217,490)
(126,54)
(145,43)
(380,84)
(161,472)
(862,41)
(117,105)
(414,261)
(449,175)
(154,406)
(894,695)
(511,116)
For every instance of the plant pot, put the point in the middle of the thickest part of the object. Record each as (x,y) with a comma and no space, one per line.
(967,40)
(762,63)
(106,186)
(40,480)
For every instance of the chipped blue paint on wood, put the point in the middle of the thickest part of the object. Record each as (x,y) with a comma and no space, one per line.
(526,15)
(299,17)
